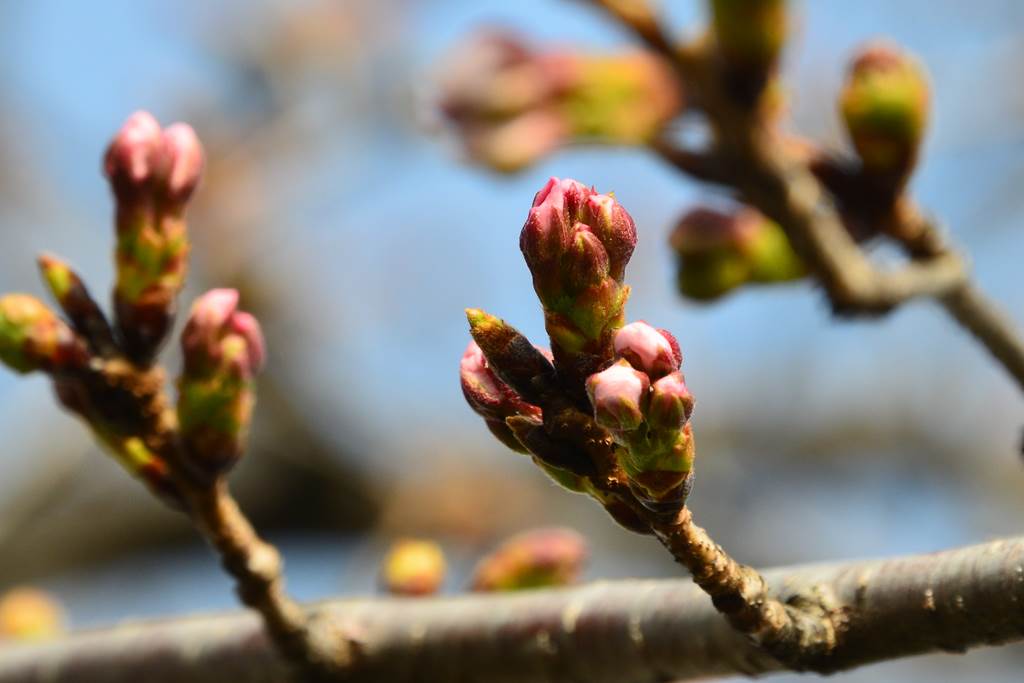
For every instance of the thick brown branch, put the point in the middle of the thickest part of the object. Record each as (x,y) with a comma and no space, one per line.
(626,632)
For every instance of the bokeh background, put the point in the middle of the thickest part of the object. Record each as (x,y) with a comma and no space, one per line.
(358,235)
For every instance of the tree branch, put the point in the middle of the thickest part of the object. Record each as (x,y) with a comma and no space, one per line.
(626,631)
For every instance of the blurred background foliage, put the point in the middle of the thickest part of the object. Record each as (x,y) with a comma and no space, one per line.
(357,237)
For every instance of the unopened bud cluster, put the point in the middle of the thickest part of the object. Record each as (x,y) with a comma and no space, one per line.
(718,251)
(577,243)
(223,350)
(609,403)
(152,172)
(104,373)
(643,402)
(512,105)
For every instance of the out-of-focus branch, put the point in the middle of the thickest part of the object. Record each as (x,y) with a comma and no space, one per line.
(755,161)
(612,631)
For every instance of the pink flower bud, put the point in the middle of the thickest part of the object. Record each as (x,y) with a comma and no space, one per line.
(218,336)
(143,159)
(615,227)
(671,403)
(586,259)
(487,395)
(617,394)
(183,161)
(651,350)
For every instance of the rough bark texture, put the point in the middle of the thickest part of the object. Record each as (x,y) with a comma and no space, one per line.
(621,632)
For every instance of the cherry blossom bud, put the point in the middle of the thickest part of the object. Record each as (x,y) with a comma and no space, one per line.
(618,395)
(670,403)
(652,351)
(413,568)
(152,172)
(491,398)
(534,559)
(512,104)
(223,350)
(576,243)
(28,613)
(145,163)
(718,251)
(33,337)
(885,104)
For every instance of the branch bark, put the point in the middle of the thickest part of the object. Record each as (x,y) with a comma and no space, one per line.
(622,632)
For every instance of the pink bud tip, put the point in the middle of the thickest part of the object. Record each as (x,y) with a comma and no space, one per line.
(143,158)
(651,350)
(617,394)
(217,332)
(130,156)
(487,395)
(183,156)
(671,402)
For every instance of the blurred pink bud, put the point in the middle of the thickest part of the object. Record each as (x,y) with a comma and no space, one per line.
(183,159)
(217,335)
(671,403)
(654,351)
(143,158)
(617,394)
(532,559)
(487,395)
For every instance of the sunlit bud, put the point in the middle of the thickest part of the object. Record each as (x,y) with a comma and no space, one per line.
(223,350)
(33,337)
(534,559)
(653,351)
(152,172)
(413,568)
(670,403)
(511,356)
(664,472)
(29,614)
(618,394)
(885,105)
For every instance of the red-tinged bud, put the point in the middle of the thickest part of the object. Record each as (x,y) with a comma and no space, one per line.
(28,613)
(671,403)
(491,398)
(885,104)
(653,351)
(586,260)
(223,350)
(618,395)
(33,337)
(576,243)
(614,227)
(413,568)
(146,163)
(534,559)
(152,172)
